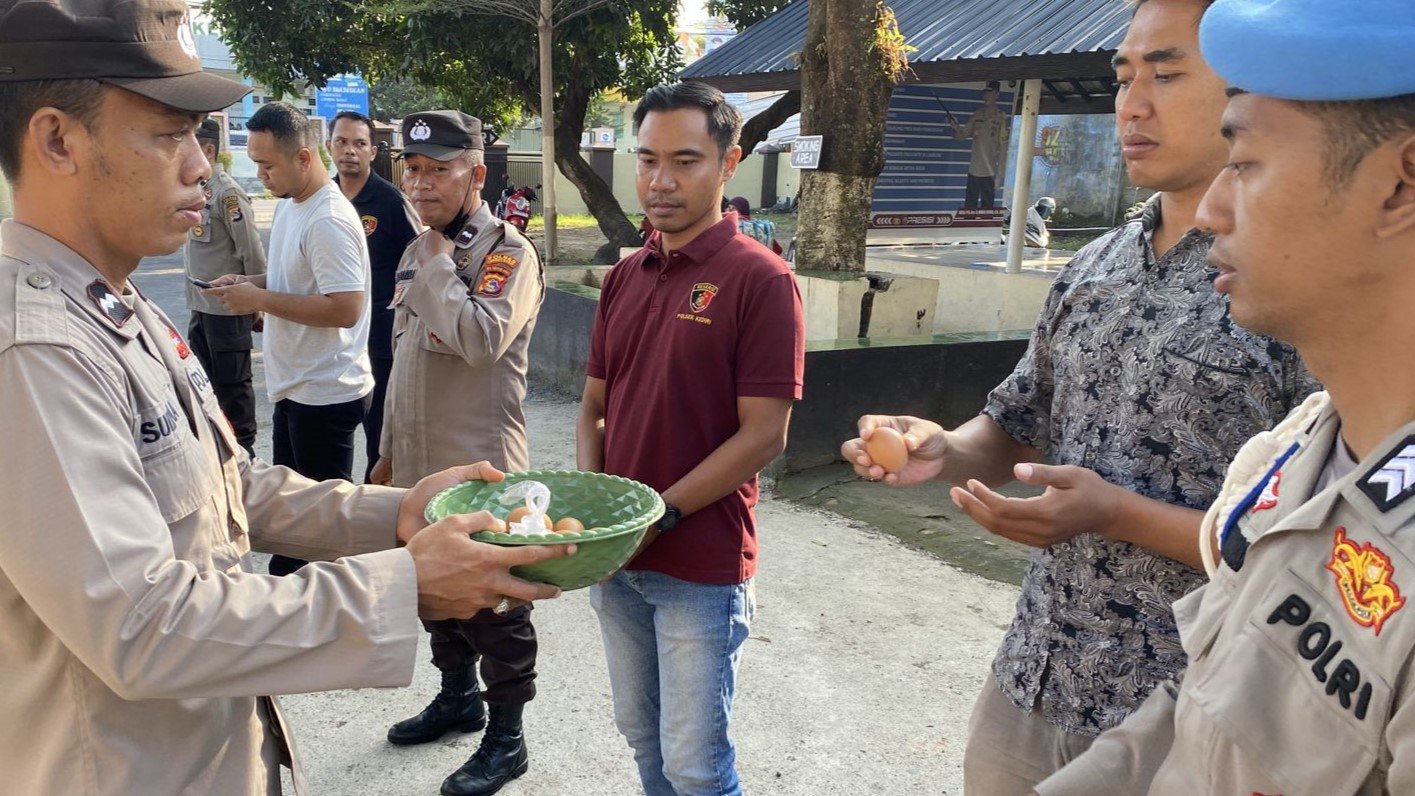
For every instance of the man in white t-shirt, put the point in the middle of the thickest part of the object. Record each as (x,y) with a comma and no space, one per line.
(314,295)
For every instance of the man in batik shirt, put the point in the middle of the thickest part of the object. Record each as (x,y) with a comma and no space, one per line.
(1137,389)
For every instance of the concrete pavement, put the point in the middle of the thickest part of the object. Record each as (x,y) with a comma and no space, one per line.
(862,666)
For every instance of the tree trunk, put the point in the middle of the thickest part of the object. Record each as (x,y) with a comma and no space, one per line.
(598,196)
(544,34)
(845,91)
(758,127)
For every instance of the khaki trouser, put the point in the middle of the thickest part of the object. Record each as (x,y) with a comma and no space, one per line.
(1011,750)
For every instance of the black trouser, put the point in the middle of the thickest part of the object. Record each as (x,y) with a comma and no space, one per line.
(316,442)
(373,421)
(982,191)
(222,344)
(505,645)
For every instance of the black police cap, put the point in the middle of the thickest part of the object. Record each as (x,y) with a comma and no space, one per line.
(144,46)
(440,135)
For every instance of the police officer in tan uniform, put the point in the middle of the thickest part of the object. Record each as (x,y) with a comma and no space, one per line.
(465,297)
(138,645)
(1300,647)
(224,242)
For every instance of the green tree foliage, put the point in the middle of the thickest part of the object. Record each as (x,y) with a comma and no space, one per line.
(483,63)
(744,13)
(396,97)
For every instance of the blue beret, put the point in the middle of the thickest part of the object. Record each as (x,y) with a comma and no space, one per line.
(1313,49)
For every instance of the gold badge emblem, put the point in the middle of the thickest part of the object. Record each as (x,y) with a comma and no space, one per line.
(1364,580)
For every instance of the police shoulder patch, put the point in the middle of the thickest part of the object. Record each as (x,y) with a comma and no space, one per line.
(232,206)
(493,280)
(495,273)
(501,258)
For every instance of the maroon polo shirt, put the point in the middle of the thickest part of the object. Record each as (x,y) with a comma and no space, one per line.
(677,339)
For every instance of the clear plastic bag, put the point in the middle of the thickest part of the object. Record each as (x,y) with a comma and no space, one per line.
(536,498)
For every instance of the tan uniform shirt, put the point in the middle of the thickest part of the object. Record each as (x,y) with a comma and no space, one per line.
(226,242)
(461,343)
(133,634)
(1299,675)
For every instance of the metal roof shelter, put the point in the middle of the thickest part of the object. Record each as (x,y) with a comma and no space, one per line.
(1066,44)
(1059,50)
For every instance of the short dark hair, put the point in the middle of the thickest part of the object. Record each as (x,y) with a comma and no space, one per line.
(1354,129)
(80,98)
(724,121)
(356,116)
(288,124)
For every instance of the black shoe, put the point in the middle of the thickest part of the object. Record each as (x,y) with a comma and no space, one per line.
(501,758)
(457,706)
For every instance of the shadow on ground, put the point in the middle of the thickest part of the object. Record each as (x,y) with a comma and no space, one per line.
(923,517)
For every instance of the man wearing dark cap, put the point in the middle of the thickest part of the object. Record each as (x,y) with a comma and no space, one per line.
(465,304)
(224,242)
(987,128)
(1300,646)
(137,644)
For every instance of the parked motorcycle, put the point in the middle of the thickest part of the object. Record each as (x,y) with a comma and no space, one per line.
(1037,235)
(515,205)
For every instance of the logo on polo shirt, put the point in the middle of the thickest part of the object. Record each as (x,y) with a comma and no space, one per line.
(370,224)
(701,296)
(1364,581)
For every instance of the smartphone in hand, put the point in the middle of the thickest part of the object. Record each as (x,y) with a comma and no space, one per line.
(204,285)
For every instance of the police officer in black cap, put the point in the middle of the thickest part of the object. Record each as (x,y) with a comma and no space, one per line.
(137,644)
(465,301)
(224,242)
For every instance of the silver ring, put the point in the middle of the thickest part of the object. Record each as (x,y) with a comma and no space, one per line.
(502,608)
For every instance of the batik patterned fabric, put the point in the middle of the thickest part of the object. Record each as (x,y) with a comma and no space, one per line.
(1135,371)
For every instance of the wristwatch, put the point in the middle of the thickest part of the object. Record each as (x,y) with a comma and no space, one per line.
(670,519)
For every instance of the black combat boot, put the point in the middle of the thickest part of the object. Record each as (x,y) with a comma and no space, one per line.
(501,758)
(456,707)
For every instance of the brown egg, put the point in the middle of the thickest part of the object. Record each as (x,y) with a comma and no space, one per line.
(569,525)
(519,513)
(887,449)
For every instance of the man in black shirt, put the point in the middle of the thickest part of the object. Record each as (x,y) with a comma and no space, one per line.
(390,224)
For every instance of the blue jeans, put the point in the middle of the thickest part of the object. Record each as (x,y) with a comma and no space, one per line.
(673,649)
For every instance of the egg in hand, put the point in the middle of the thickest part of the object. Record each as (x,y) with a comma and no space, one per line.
(887,449)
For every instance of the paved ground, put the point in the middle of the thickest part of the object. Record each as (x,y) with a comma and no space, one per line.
(858,678)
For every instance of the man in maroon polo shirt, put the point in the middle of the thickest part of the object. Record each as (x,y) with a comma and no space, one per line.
(698,353)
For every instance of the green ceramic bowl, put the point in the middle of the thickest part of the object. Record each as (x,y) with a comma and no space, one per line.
(616,513)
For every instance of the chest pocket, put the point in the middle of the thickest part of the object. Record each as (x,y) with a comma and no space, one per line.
(1293,697)
(1215,366)
(173,461)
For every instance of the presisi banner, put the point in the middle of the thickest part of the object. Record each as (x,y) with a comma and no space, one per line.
(928,155)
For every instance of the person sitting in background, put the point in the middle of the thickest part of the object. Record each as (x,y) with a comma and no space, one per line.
(763,231)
